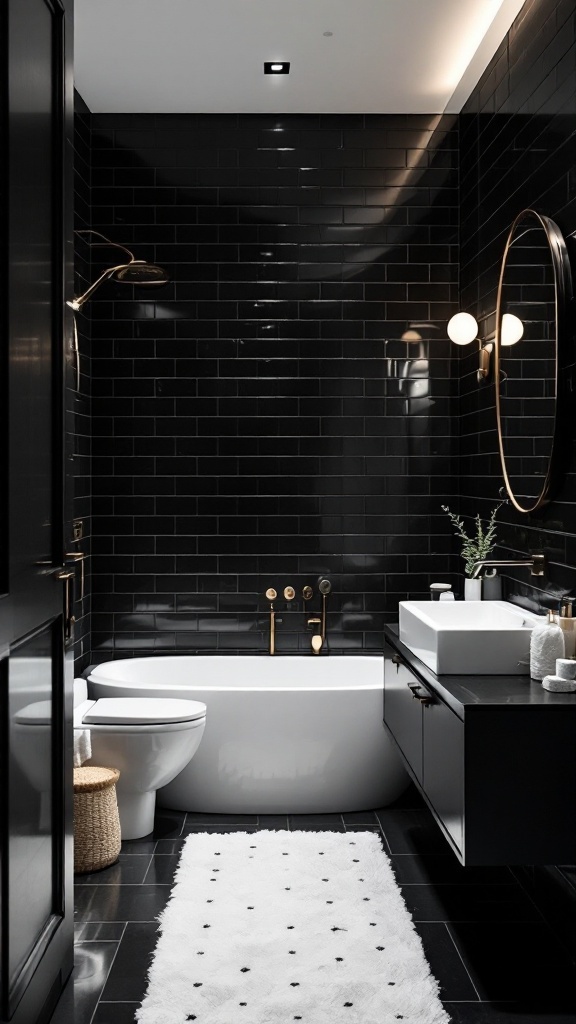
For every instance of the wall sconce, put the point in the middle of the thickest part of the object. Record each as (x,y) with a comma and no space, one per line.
(463,329)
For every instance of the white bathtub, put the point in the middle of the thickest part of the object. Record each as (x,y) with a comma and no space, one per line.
(284,735)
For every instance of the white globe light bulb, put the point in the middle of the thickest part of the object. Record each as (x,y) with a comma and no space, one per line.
(512,329)
(462,329)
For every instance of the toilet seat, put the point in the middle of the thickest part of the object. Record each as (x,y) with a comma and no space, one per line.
(142,711)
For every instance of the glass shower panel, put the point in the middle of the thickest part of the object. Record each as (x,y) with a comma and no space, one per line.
(31,850)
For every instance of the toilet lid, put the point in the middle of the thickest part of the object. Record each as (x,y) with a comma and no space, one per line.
(142,711)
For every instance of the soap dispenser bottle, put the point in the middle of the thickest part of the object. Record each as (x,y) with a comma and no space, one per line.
(546,645)
(567,623)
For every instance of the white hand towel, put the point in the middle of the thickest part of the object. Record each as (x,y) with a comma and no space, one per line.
(82,746)
(558,685)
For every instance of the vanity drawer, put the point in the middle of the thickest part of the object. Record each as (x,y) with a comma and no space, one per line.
(443,766)
(402,711)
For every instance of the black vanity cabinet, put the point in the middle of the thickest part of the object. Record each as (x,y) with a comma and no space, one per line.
(493,756)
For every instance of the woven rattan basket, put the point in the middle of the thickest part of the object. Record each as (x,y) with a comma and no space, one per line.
(96,822)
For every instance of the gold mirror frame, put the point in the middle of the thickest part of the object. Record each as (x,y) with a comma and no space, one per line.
(561,433)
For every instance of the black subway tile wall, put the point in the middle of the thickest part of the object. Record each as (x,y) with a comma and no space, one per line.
(518,150)
(78,393)
(260,421)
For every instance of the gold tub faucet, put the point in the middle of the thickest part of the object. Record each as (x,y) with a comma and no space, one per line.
(272,595)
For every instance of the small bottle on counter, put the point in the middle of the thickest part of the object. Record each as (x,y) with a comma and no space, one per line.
(546,644)
(437,589)
(567,623)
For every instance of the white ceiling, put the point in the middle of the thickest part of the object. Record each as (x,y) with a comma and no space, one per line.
(206,56)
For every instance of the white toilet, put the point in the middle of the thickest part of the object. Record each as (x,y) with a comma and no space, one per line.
(149,740)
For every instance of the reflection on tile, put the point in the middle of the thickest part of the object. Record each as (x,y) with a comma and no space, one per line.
(92,962)
(92,932)
(120,903)
(273,822)
(413,831)
(128,870)
(360,818)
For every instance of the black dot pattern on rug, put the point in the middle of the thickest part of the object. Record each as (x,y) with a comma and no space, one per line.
(329,901)
(200,952)
(252,847)
(249,908)
(205,925)
(339,959)
(285,855)
(287,888)
(391,982)
(352,844)
(325,879)
(216,854)
(215,869)
(297,1018)
(348,1004)
(366,899)
(380,948)
(289,927)
(321,854)
(242,1004)
(197,984)
(191,1016)
(355,861)
(244,969)
(372,924)
(294,984)
(291,950)
(399,1016)
(209,901)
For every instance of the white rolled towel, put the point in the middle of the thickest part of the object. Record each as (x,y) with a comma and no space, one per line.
(82,746)
(566,668)
(558,685)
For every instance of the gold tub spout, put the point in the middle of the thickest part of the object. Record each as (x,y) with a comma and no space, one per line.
(317,639)
(272,595)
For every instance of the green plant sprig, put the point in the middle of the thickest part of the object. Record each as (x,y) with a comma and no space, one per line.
(481,544)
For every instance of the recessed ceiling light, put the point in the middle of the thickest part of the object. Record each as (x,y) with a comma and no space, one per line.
(276,67)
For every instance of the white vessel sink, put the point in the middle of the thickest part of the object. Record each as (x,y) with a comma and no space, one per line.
(468,637)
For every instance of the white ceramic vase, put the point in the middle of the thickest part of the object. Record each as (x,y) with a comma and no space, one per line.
(472,590)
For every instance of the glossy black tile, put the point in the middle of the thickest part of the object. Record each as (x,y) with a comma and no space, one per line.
(92,962)
(127,978)
(120,903)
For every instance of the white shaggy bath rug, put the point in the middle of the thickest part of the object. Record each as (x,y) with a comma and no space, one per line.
(276,927)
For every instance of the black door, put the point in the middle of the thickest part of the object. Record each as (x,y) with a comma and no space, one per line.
(35,700)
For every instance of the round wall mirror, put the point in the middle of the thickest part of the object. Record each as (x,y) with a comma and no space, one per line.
(532,352)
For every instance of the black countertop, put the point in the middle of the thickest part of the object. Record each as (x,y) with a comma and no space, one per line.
(473,691)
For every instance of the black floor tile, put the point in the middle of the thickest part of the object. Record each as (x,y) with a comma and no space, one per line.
(360,818)
(168,824)
(111,931)
(162,869)
(197,818)
(92,961)
(220,829)
(413,830)
(520,962)
(436,870)
(495,903)
(167,847)
(115,1013)
(274,822)
(129,870)
(445,961)
(120,902)
(127,979)
(138,847)
(316,823)
(517,961)
(504,1013)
